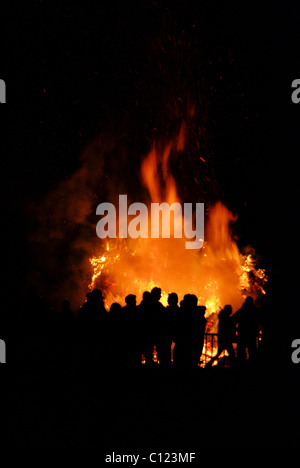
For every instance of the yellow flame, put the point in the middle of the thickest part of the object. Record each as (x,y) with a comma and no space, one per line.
(218,274)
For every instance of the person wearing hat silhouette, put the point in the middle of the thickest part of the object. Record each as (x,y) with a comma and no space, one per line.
(92,314)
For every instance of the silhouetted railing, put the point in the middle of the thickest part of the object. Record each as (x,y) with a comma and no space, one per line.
(210,349)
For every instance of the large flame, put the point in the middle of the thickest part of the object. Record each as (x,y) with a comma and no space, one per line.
(218,273)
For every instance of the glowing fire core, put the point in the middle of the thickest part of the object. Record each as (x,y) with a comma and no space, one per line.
(218,274)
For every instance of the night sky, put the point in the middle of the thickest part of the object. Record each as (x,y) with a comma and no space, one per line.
(77,71)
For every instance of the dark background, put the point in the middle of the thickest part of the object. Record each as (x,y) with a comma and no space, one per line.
(74,70)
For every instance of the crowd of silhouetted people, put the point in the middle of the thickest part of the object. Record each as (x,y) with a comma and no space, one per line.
(147,333)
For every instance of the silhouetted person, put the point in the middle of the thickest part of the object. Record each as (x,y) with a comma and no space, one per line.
(168,327)
(165,336)
(131,331)
(159,328)
(116,341)
(226,335)
(247,319)
(93,322)
(173,312)
(145,313)
(129,311)
(190,333)
(180,336)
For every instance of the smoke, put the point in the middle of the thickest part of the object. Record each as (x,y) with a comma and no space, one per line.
(63,234)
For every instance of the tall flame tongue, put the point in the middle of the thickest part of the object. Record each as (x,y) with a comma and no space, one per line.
(218,274)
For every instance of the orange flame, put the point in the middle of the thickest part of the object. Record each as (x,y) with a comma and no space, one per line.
(218,274)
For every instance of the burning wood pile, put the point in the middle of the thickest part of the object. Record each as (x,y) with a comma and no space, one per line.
(217,274)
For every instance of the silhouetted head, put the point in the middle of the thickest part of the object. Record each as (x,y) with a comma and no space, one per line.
(97,294)
(89,297)
(146,296)
(185,303)
(173,299)
(190,300)
(156,294)
(228,309)
(65,305)
(130,300)
(115,308)
(193,300)
(248,301)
